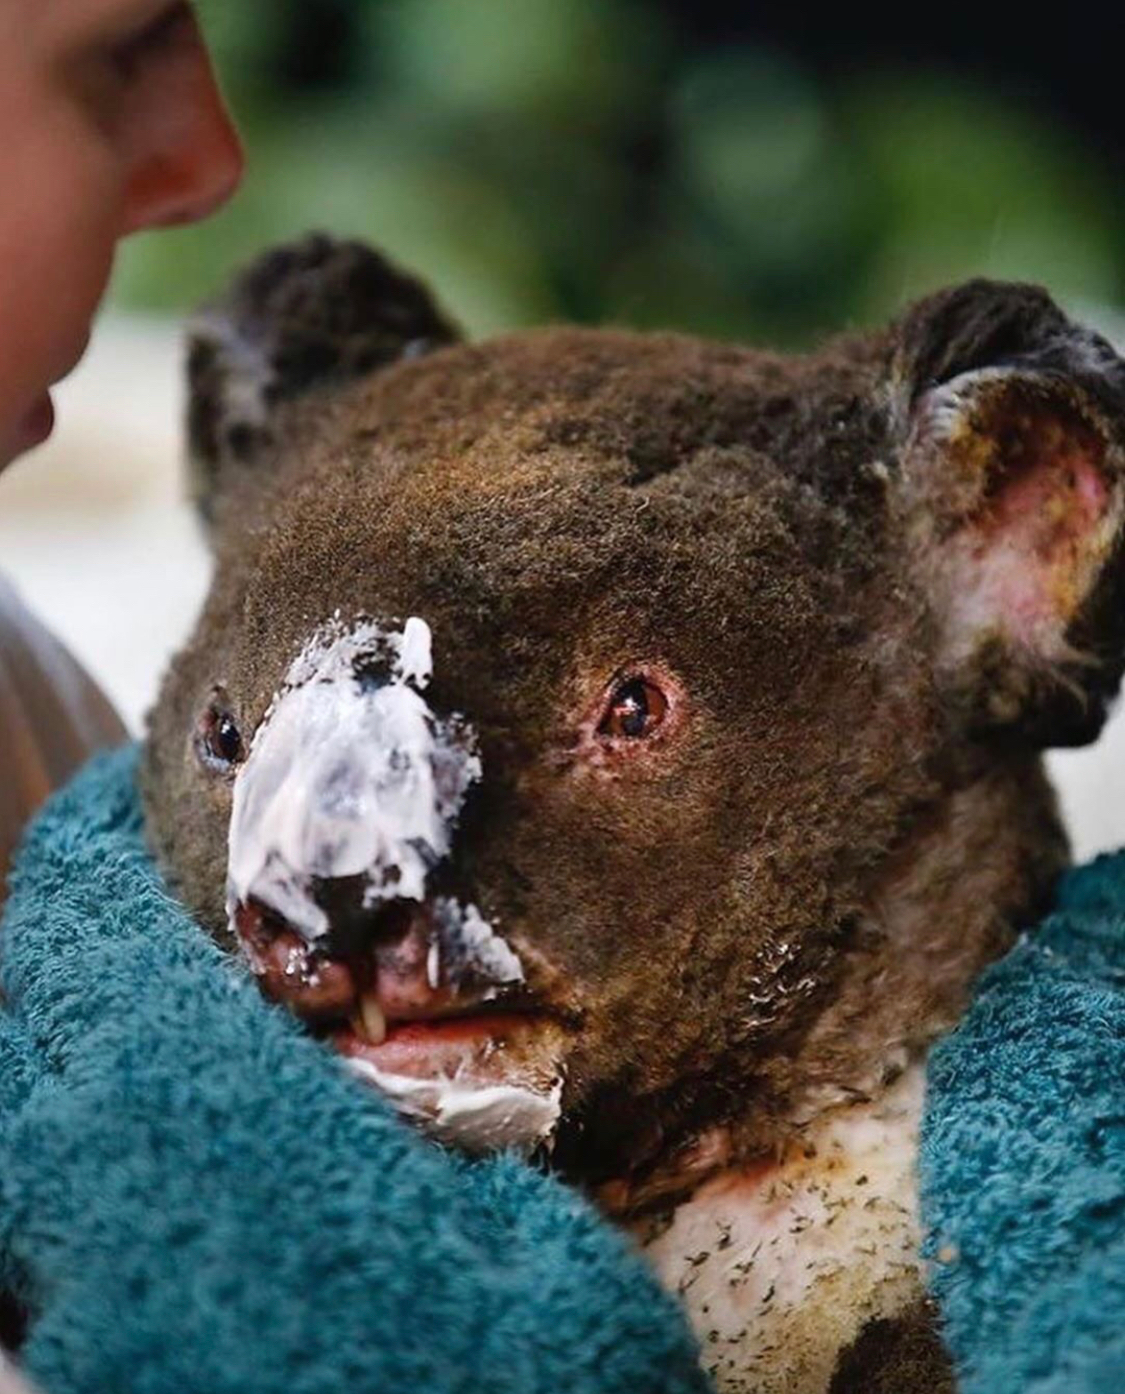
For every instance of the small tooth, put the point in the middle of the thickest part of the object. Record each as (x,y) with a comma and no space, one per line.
(374,1022)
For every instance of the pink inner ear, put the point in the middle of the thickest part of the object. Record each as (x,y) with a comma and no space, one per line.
(1029,554)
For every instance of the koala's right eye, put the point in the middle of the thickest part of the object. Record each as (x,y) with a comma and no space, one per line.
(636,708)
(218,741)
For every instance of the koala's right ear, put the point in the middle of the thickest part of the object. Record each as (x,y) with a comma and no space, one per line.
(308,315)
(1011,419)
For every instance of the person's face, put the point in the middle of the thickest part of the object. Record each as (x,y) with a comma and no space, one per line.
(112,123)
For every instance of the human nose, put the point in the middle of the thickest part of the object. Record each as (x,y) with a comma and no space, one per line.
(186,158)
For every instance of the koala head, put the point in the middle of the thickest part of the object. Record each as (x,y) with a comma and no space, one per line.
(631,741)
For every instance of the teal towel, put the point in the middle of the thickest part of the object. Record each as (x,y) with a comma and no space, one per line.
(194,1196)
(1023,1157)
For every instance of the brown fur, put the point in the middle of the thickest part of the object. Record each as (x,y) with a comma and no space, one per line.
(897,1357)
(784,900)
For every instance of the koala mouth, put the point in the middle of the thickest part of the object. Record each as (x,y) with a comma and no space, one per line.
(431,1007)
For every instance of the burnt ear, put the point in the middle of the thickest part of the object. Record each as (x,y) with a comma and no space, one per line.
(309,315)
(1012,423)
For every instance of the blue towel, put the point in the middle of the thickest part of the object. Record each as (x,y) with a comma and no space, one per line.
(194,1196)
(1023,1157)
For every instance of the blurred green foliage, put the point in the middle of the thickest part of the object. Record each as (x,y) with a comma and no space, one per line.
(575,159)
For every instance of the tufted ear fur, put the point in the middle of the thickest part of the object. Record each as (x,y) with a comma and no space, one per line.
(311,314)
(1012,420)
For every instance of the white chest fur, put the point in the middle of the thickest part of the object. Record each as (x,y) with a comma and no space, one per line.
(781,1267)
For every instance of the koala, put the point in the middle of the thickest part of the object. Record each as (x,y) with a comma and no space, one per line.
(627,747)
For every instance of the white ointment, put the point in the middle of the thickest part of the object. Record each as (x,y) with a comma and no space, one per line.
(476,1117)
(780,1272)
(466,945)
(349,774)
(415,657)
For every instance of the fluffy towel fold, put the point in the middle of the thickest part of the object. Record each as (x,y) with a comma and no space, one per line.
(194,1196)
(1023,1156)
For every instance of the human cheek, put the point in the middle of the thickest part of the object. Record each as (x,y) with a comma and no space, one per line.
(56,252)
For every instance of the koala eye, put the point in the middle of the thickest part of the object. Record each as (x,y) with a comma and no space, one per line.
(636,708)
(218,741)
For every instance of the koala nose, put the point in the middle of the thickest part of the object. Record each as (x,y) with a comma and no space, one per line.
(351,791)
(356,927)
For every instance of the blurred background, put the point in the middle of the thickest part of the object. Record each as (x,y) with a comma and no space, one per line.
(768,177)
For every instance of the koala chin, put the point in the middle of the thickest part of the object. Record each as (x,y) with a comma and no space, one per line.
(627,748)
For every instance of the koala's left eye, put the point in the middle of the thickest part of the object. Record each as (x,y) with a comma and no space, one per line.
(636,708)
(218,741)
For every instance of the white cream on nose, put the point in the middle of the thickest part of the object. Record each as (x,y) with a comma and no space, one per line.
(349,774)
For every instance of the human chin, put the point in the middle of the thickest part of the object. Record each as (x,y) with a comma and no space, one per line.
(35,420)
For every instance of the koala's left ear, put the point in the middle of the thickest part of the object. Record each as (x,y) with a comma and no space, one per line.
(1011,423)
(307,315)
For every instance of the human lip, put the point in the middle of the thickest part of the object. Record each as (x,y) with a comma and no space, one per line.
(38,421)
(36,424)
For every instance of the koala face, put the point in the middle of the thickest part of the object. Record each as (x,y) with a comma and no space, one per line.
(622,741)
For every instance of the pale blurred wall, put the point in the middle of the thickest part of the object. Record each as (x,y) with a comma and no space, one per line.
(95,532)
(94,529)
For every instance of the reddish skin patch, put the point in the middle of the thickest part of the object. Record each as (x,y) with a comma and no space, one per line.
(1056,502)
(1054,497)
(289,971)
(746,1179)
